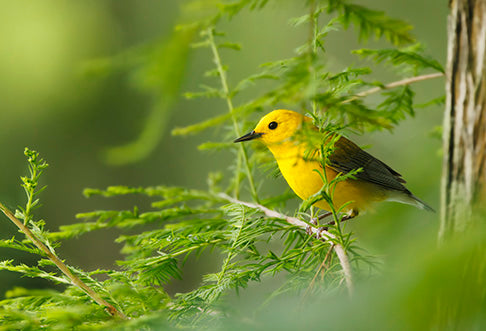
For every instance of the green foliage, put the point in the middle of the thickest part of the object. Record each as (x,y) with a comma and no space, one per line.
(36,167)
(371,22)
(182,224)
(303,82)
(407,59)
(399,103)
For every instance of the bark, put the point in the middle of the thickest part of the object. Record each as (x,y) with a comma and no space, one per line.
(464,135)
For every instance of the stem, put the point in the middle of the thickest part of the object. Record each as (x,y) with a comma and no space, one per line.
(188,249)
(405,81)
(231,252)
(229,102)
(30,191)
(237,177)
(323,234)
(65,270)
(321,266)
(28,206)
(313,55)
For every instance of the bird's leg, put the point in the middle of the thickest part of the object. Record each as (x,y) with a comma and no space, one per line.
(346,217)
(325,215)
(315,220)
(308,228)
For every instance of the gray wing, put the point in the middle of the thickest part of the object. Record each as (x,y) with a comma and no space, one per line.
(348,156)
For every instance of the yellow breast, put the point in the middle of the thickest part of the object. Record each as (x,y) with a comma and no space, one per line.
(303,177)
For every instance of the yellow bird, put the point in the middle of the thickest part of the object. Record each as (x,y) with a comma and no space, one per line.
(279,131)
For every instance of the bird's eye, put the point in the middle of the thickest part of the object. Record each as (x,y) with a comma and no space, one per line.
(272,125)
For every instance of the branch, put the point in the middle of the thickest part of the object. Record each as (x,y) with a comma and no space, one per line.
(405,81)
(322,266)
(321,234)
(65,270)
(229,102)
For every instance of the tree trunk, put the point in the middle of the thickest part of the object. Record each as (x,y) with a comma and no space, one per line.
(464,135)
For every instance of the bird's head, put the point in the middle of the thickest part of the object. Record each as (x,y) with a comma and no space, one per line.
(276,127)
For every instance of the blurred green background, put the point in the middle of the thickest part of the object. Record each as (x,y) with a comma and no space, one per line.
(51,102)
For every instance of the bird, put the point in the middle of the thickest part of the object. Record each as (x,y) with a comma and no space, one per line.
(299,161)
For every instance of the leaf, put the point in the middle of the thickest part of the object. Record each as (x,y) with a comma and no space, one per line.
(208,92)
(26,247)
(409,57)
(296,21)
(233,8)
(234,46)
(371,22)
(75,230)
(195,128)
(251,80)
(349,74)
(215,146)
(435,101)
(32,272)
(398,103)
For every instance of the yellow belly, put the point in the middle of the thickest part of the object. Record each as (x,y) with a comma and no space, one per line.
(304,179)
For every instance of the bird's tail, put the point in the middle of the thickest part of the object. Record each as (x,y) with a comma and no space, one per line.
(421,204)
(410,199)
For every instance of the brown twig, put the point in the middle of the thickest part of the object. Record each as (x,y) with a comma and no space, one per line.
(321,266)
(319,233)
(65,270)
(405,81)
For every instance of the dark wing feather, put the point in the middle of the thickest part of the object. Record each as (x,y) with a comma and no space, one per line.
(348,156)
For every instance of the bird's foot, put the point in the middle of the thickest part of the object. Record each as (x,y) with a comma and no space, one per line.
(352,214)
(319,232)
(308,227)
(315,221)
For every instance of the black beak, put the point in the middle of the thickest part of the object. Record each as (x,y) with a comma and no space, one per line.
(248,136)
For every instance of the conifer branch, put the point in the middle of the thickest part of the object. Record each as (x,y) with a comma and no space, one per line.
(402,82)
(319,233)
(321,267)
(58,262)
(229,102)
